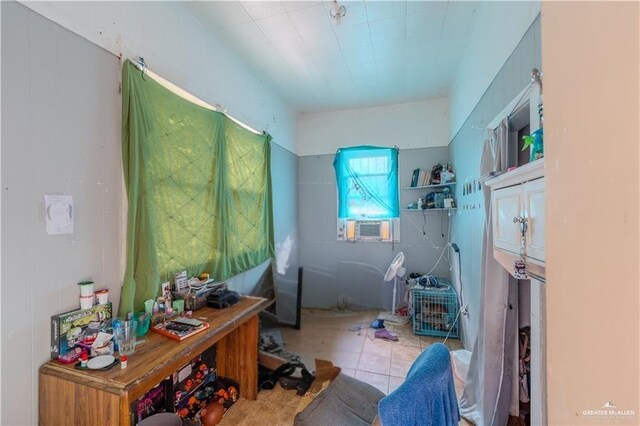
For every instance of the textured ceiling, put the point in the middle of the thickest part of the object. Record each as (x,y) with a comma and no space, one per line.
(381,52)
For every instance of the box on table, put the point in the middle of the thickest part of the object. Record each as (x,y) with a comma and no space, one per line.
(67,328)
(197,299)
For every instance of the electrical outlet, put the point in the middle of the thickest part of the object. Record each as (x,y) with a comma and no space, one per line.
(465,310)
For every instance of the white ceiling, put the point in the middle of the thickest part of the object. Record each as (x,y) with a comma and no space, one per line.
(382,52)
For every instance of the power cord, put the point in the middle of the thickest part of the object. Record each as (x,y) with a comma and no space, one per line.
(458,273)
(407,296)
(455,321)
(444,251)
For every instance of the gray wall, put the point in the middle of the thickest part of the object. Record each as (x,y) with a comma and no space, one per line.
(284,179)
(351,274)
(60,132)
(466,149)
(285,222)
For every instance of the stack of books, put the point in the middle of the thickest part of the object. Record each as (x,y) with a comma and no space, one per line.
(180,328)
(420,177)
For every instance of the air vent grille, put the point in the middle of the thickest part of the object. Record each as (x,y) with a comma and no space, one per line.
(370,230)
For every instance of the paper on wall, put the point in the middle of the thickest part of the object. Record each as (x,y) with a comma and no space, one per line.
(59,214)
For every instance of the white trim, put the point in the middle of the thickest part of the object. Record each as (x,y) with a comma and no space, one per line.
(190,96)
(1,270)
(124,218)
(174,88)
(528,172)
(538,355)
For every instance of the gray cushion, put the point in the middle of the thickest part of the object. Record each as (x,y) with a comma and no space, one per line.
(347,401)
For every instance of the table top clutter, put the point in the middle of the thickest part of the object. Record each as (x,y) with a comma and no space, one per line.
(158,356)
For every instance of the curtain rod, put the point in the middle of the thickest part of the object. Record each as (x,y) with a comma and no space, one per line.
(140,64)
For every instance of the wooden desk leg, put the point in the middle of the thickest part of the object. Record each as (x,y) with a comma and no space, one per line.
(64,402)
(237,357)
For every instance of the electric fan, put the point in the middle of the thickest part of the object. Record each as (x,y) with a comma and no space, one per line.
(395,270)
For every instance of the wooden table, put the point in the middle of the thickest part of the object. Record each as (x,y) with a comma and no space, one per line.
(75,397)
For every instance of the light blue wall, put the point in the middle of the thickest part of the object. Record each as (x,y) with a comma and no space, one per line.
(466,150)
(346,273)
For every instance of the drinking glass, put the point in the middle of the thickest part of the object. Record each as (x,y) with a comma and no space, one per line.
(125,332)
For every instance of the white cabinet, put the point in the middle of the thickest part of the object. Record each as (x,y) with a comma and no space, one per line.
(507,204)
(517,205)
(517,214)
(534,212)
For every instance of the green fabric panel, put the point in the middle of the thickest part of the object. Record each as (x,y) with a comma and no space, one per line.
(198,186)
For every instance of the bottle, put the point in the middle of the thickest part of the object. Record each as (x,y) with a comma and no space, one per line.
(123,361)
(445,175)
(84,360)
(419,203)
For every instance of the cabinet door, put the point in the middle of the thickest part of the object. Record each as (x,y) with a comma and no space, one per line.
(507,204)
(534,211)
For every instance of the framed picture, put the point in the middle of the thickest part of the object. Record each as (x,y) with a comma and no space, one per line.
(180,281)
(166,291)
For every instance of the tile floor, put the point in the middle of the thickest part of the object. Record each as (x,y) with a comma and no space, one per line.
(327,334)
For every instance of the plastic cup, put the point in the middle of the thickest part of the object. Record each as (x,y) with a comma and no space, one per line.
(86,288)
(125,332)
(86,302)
(144,320)
(148,306)
(178,305)
(102,297)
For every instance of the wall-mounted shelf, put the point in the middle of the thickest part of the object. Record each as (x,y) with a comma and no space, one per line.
(429,210)
(430,186)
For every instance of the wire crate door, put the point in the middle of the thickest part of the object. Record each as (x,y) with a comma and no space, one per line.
(435,312)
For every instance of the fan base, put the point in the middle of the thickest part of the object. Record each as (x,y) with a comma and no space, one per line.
(393,319)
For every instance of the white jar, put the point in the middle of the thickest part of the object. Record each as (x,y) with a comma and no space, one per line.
(86,288)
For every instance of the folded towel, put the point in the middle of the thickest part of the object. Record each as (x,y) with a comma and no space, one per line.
(427,396)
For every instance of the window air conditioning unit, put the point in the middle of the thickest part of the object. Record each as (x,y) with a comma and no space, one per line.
(369,230)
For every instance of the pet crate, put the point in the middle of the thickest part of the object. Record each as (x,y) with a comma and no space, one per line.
(435,310)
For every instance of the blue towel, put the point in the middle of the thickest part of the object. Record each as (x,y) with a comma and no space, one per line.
(427,396)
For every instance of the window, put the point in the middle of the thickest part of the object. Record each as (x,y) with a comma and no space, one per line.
(198,187)
(367,180)
(518,127)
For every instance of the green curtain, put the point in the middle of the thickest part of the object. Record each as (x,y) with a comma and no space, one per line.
(198,187)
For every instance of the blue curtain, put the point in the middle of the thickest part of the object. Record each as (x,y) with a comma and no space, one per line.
(367,178)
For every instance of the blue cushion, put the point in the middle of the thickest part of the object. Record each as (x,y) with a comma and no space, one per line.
(427,396)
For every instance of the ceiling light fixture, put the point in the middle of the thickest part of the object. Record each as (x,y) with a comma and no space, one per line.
(338,11)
